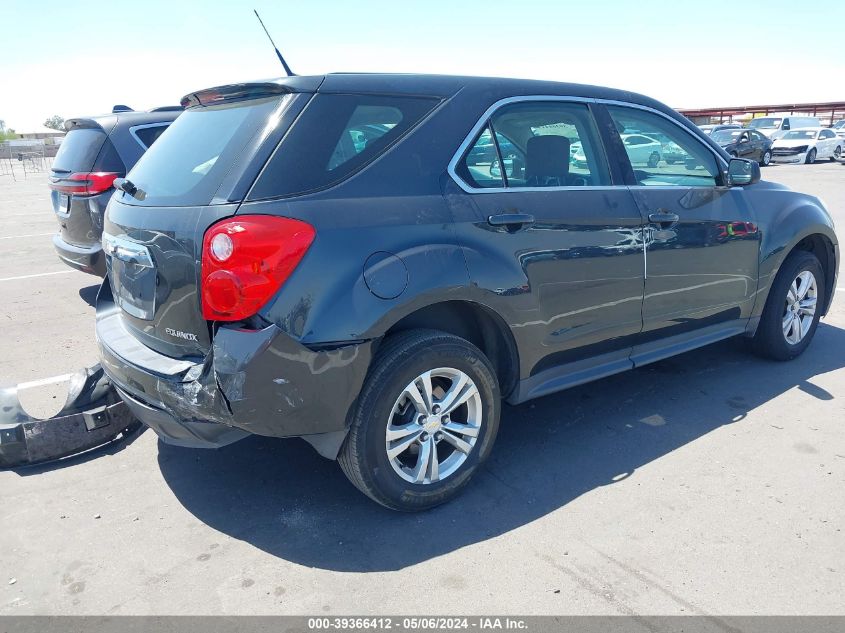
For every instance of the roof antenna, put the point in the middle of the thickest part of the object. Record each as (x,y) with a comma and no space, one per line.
(278,54)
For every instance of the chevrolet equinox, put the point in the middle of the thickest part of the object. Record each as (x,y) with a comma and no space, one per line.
(374,262)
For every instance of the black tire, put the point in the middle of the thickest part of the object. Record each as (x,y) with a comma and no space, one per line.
(769,340)
(766,159)
(670,162)
(653,160)
(837,154)
(811,157)
(402,358)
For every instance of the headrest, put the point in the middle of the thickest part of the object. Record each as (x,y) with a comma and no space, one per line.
(547,156)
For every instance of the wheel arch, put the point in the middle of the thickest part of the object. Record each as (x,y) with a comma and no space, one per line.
(474,322)
(818,240)
(825,251)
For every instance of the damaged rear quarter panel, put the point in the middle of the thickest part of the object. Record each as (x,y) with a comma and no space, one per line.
(276,386)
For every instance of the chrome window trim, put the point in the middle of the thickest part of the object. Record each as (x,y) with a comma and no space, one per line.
(482,121)
(132,131)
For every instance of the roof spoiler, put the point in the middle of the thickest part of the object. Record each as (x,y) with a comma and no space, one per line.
(234,92)
(122,108)
(168,108)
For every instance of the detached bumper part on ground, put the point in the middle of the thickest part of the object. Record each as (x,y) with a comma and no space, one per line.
(253,381)
(92,416)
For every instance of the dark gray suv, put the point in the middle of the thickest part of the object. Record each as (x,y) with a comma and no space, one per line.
(334,258)
(95,151)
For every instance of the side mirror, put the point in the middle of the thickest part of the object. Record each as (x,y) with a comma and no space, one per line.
(743,172)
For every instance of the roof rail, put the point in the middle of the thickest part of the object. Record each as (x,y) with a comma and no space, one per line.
(167,108)
(122,108)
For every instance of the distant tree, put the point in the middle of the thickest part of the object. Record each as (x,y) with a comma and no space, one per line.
(6,133)
(55,122)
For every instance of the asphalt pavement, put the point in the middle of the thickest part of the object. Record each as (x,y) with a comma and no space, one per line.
(709,483)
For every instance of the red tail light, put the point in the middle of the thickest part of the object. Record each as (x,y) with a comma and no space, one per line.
(86,184)
(245,260)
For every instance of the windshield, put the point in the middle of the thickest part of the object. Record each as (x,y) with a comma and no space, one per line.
(799,135)
(765,122)
(186,166)
(726,136)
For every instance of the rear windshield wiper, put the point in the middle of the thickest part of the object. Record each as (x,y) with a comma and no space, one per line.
(129,187)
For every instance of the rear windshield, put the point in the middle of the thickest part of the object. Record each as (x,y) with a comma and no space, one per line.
(336,136)
(186,166)
(764,122)
(79,150)
(726,136)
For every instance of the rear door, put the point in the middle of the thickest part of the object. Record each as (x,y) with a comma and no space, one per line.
(572,286)
(702,242)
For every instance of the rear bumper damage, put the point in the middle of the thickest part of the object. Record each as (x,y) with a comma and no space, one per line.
(93,415)
(252,382)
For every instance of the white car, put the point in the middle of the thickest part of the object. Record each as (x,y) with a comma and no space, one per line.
(807,146)
(642,150)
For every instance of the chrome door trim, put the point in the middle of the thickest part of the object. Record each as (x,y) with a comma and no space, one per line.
(484,119)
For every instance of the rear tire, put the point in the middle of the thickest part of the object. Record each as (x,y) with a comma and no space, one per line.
(785,332)
(398,410)
(837,154)
(766,159)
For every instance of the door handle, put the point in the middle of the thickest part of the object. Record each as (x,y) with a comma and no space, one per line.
(664,218)
(511,219)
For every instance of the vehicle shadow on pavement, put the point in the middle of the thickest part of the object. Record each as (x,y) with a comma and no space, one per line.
(281,497)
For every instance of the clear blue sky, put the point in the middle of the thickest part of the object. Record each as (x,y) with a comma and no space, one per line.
(77,57)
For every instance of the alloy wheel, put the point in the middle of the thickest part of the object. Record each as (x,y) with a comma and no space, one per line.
(433,425)
(767,158)
(800,307)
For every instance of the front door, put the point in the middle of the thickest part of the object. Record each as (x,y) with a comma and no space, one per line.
(551,241)
(702,242)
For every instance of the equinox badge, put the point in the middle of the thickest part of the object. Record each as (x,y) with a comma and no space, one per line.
(188,336)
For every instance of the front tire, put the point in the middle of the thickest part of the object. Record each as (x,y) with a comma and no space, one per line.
(811,157)
(653,160)
(427,417)
(793,308)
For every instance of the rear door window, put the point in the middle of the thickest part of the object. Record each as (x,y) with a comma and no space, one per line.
(335,136)
(479,168)
(539,144)
(187,166)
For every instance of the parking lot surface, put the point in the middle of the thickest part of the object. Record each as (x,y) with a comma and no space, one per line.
(707,483)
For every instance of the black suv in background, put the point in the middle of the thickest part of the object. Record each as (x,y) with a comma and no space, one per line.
(94,152)
(358,261)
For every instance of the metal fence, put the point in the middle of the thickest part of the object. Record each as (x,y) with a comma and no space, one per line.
(22,159)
